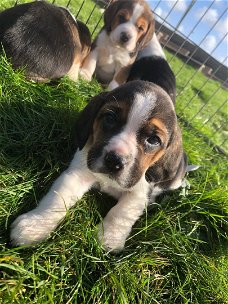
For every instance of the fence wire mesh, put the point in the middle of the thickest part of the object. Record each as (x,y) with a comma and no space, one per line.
(185,29)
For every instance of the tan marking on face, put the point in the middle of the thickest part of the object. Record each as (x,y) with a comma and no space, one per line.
(122,16)
(161,128)
(148,159)
(98,132)
(142,26)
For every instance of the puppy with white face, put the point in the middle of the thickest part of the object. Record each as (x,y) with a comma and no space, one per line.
(130,147)
(128,27)
(44,39)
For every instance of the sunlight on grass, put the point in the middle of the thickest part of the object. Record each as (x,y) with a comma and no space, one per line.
(177,252)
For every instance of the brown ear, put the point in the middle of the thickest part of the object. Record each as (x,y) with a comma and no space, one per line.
(84,124)
(110,14)
(171,167)
(145,39)
(85,39)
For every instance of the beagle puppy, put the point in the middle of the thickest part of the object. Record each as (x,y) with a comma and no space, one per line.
(129,146)
(128,27)
(44,39)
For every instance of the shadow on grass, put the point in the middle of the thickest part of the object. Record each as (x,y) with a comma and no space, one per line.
(38,140)
(37,143)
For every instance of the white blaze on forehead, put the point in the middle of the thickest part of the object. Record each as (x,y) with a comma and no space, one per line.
(137,12)
(125,143)
(140,110)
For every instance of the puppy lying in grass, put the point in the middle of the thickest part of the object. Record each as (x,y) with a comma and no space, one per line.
(129,146)
(44,39)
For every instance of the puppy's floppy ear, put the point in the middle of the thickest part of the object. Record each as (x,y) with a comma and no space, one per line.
(171,167)
(145,39)
(84,124)
(85,38)
(110,14)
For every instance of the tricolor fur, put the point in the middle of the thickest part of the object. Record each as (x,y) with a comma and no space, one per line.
(44,39)
(128,27)
(129,146)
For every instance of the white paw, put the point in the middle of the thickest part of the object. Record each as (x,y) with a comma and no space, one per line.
(85,74)
(111,237)
(29,229)
(112,85)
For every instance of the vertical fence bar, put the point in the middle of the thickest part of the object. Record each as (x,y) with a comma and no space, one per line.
(80,8)
(201,42)
(164,20)
(186,38)
(207,80)
(91,13)
(68,3)
(217,110)
(197,71)
(192,3)
(209,99)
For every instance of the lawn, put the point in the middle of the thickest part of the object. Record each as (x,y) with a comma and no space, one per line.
(177,252)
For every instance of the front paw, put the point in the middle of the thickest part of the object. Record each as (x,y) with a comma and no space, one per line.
(111,237)
(29,229)
(112,85)
(85,74)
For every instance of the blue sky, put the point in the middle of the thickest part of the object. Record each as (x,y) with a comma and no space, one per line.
(216,17)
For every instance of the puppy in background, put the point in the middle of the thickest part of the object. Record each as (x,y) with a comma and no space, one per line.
(128,27)
(44,39)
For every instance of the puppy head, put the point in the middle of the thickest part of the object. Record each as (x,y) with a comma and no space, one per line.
(128,131)
(129,23)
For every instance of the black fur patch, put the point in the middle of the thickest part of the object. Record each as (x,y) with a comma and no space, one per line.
(37,36)
(156,70)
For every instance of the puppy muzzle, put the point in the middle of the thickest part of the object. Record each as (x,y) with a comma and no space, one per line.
(124,37)
(114,162)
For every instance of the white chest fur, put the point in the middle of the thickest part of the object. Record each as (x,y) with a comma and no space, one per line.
(111,57)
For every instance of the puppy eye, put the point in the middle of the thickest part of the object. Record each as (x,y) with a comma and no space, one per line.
(109,120)
(153,141)
(122,19)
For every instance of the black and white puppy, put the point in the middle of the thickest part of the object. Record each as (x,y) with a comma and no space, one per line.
(130,146)
(44,39)
(128,27)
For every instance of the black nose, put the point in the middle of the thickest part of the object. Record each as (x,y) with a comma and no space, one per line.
(113,162)
(124,37)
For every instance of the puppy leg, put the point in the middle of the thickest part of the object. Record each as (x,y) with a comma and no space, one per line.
(120,77)
(89,66)
(73,72)
(118,223)
(36,225)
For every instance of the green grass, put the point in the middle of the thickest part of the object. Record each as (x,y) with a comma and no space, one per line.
(177,252)
(201,101)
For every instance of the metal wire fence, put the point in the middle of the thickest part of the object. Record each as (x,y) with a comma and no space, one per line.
(183,28)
